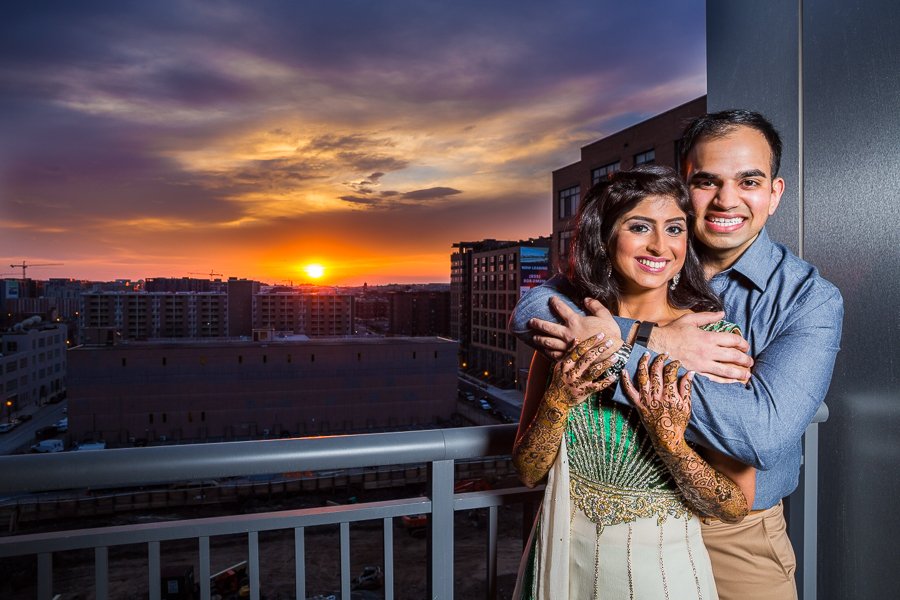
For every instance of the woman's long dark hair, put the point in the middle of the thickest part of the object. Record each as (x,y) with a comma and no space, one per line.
(600,210)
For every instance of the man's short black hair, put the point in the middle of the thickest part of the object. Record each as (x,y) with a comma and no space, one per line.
(720,124)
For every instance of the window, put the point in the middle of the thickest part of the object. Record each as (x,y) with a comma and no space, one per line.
(265,359)
(289,358)
(151,417)
(203,415)
(359,357)
(190,416)
(565,244)
(202,360)
(568,202)
(312,358)
(601,173)
(123,362)
(645,158)
(414,355)
(164,361)
(41,342)
(240,359)
(165,418)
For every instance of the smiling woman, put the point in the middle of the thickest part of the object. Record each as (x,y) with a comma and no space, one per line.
(315,271)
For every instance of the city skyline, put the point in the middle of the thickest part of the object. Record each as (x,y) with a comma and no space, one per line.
(175,138)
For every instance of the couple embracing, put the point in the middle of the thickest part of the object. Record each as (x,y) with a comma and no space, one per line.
(661,482)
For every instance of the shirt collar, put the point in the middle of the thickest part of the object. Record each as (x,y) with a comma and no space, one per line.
(756,263)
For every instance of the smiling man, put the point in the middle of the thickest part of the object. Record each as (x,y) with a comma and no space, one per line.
(791,318)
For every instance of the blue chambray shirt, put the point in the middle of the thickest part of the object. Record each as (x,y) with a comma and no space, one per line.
(792,319)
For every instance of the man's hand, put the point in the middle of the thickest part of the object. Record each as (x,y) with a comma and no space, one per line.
(558,339)
(717,355)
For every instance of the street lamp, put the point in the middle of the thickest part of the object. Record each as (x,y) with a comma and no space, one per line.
(8,411)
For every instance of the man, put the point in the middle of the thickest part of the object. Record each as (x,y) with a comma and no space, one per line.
(791,319)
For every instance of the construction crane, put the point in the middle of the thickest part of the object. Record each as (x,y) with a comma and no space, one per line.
(24,267)
(210,275)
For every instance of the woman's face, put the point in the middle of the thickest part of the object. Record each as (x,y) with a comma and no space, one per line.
(649,243)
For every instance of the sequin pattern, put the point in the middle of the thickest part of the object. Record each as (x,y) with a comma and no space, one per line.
(615,475)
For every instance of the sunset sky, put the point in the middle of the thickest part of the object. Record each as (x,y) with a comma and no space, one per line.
(151,139)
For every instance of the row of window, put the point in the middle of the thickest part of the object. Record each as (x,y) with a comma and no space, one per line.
(494,339)
(23,381)
(568,198)
(494,301)
(495,258)
(490,319)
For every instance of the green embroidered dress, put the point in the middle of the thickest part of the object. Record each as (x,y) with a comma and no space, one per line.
(613,523)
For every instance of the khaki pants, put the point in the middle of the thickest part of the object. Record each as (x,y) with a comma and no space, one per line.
(752,559)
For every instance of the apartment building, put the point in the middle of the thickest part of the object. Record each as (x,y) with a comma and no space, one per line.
(143,316)
(420,313)
(487,279)
(32,364)
(314,315)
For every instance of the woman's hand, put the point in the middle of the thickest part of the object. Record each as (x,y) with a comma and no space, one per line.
(663,403)
(579,375)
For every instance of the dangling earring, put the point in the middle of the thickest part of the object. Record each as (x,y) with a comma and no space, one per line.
(675,281)
(605,257)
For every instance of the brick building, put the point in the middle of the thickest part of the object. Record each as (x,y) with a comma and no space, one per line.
(419,313)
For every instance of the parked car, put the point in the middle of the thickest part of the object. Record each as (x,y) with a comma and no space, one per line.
(484,405)
(48,446)
(92,446)
(7,427)
(63,425)
(24,418)
(470,397)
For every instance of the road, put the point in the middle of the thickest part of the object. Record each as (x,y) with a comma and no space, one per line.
(24,433)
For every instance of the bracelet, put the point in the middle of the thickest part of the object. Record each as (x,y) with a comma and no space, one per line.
(622,355)
(643,333)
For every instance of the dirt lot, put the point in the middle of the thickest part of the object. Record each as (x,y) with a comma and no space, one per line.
(73,572)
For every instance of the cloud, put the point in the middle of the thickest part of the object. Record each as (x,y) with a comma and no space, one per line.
(153,131)
(434,193)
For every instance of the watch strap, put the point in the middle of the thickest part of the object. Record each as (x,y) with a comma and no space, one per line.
(643,333)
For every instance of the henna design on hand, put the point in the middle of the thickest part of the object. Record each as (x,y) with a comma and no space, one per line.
(574,380)
(664,406)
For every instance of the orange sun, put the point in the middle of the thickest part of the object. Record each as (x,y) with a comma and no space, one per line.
(314,271)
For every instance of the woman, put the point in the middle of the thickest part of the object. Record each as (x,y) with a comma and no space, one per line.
(622,485)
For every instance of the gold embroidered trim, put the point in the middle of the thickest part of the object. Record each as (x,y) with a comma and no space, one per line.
(610,506)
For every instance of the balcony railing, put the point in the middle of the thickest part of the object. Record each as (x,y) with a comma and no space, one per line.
(134,466)
(440,449)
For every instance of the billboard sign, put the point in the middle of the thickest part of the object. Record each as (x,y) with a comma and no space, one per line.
(535,266)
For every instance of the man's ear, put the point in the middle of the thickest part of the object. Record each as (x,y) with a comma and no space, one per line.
(777,191)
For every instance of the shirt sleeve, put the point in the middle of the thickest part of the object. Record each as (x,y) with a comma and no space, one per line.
(535,304)
(757,423)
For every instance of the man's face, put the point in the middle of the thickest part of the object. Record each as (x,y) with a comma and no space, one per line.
(732,190)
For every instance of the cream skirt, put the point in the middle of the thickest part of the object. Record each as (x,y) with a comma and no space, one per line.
(642,560)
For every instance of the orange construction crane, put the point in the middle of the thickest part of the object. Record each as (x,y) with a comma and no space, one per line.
(24,267)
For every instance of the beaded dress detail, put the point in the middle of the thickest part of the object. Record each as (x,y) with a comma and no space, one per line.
(615,475)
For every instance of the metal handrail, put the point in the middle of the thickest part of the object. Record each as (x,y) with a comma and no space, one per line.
(70,470)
